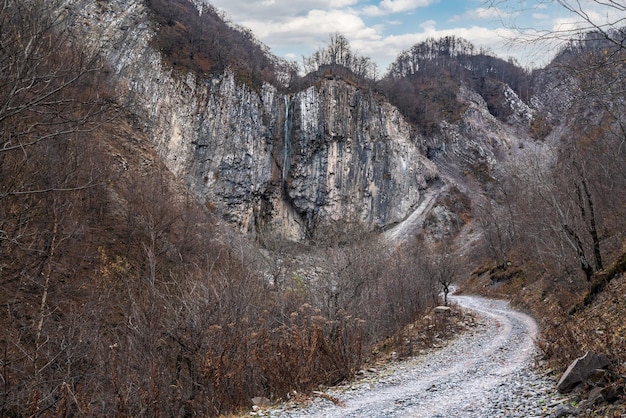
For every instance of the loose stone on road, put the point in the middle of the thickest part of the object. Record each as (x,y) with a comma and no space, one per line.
(486,372)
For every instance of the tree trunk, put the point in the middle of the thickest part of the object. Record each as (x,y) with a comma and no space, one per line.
(584,264)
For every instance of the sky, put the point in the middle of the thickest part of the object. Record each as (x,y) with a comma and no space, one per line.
(381,29)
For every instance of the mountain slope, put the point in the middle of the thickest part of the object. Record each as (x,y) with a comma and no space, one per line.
(126,291)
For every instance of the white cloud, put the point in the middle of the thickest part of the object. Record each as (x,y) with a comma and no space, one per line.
(386,7)
(489,13)
(315,22)
(292,28)
(338,4)
(428,26)
(240,10)
(484,13)
(386,49)
(568,24)
(302,35)
(540,16)
(596,14)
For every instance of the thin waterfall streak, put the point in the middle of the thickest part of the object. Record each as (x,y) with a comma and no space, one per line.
(286,139)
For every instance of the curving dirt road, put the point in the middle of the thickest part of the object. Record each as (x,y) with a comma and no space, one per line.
(487,372)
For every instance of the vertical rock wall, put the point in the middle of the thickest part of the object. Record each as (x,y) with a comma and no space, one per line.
(332,153)
(354,158)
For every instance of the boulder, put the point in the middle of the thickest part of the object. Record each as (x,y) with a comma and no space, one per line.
(596,396)
(261,401)
(601,394)
(580,370)
(598,377)
(443,310)
(564,410)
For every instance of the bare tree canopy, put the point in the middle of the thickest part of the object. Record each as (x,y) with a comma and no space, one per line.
(605,18)
(338,53)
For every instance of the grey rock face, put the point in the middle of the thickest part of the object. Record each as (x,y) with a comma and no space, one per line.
(353,158)
(565,411)
(555,93)
(479,141)
(332,153)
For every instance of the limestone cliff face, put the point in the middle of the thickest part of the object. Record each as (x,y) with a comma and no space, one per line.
(353,158)
(332,153)
(215,135)
(479,142)
(555,92)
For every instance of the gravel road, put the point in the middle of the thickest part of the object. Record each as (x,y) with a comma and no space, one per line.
(486,372)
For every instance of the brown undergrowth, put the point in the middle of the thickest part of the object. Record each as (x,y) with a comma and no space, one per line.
(432,331)
(145,307)
(128,300)
(121,295)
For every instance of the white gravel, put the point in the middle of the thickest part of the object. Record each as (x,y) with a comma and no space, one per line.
(486,372)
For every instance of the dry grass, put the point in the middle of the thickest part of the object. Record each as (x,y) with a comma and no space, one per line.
(600,328)
(432,330)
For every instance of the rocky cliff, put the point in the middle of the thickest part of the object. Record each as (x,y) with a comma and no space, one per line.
(332,154)
(352,158)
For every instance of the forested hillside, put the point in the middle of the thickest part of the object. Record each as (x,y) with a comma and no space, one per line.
(424,81)
(205,43)
(149,267)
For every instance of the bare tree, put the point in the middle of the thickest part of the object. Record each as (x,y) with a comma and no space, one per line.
(338,55)
(569,199)
(499,220)
(443,267)
(54,97)
(604,18)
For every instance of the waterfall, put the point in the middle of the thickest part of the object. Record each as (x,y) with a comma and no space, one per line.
(287,127)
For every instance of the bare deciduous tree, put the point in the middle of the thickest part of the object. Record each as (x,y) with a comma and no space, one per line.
(603,18)
(338,54)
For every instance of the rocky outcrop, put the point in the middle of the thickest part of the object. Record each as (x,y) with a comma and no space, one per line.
(554,93)
(353,158)
(479,141)
(331,154)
